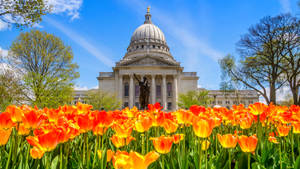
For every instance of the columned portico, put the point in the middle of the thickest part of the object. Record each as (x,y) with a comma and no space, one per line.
(148,55)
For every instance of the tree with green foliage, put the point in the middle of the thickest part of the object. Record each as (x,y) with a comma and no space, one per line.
(261,54)
(101,100)
(198,97)
(47,68)
(22,12)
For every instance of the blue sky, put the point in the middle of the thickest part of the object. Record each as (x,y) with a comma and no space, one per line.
(198,32)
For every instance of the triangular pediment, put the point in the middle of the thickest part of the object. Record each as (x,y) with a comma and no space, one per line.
(147,61)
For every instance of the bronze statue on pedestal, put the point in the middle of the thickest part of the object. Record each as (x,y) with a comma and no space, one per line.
(144,92)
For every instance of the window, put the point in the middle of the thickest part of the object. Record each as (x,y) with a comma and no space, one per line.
(158,91)
(158,47)
(153,46)
(125,104)
(142,46)
(126,90)
(227,102)
(137,47)
(250,102)
(169,105)
(137,105)
(169,89)
(137,90)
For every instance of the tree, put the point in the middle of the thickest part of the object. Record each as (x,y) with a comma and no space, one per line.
(260,56)
(47,68)
(22,12)
(290,64)
(101,100)
(199,97)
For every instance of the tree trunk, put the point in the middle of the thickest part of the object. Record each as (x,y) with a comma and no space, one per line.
(272,94)
(295,92)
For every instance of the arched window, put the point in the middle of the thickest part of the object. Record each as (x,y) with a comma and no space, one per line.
(153,46)
(169,89)
(126,89)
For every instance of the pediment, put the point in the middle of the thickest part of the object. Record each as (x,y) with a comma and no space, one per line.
(147,61)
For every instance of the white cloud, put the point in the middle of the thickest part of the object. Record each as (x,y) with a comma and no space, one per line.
(285,6)
(3,53)
(193,45)
(78,87)
(281,94)
(3,25)
(81,41)
(70,7)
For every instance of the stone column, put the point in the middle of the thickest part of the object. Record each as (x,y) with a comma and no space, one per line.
(153,87)
(164,92)
(131,91)
(121,87)
(175,92)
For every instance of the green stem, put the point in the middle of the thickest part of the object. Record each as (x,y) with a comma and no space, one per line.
(61,157)
(292,142)
(206,156)
(10,151)
(229,164)
(249,154)
(280,154)
(27,155)
(162,162)
(96,147)
(87,151)
(200,153)
(143,144)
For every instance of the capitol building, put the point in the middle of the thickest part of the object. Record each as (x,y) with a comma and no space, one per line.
(148,55)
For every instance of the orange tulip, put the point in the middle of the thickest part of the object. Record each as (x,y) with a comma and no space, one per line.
(85,122)
(109,154)
(142,162)
(247,144)
(245,123)
(22,130)
(227,140)
(36,153)
(162,144)
(202,127)
(134,160)
(123,128)
(143,123)
(46,142)
(16,113)
(4,136)
(5,121)
(31,119)
(296,128)
(83,108)
(120,142)
(273,139)
(177,138)
(257,108)
(184,117)
(283,130)
(205,145)
(170,126)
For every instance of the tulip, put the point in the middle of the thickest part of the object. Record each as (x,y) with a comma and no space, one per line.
(16,113)
(4,136)
(247,144)
(120,142)
(31,119)
(205,145)
(36,153)
(227,140)
(123,128)
(46,142)
(296,128)
(283,130)
(202,127)
(163,144)
(5,121)
(177,138)
(257,108)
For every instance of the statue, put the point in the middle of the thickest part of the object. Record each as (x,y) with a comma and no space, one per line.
(144,92)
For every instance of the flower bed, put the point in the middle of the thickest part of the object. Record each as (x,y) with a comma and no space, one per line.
(260,136)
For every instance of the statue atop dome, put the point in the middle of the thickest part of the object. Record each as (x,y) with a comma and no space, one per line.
(148,16)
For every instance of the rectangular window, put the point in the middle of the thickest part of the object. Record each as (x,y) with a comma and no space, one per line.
(169,105)
(125,104)
(169,89)
(137,105)
(137,90)
(126,90)
(227,102)
(158,91)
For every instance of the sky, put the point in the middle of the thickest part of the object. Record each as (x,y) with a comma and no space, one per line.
(198,32)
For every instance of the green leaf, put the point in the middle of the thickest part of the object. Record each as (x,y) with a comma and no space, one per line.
(54,162)
(256,165)
(297,162)
(243,161)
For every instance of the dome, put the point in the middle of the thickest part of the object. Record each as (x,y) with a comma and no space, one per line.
(147,32)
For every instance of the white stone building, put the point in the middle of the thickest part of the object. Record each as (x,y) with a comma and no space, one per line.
(148,55)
